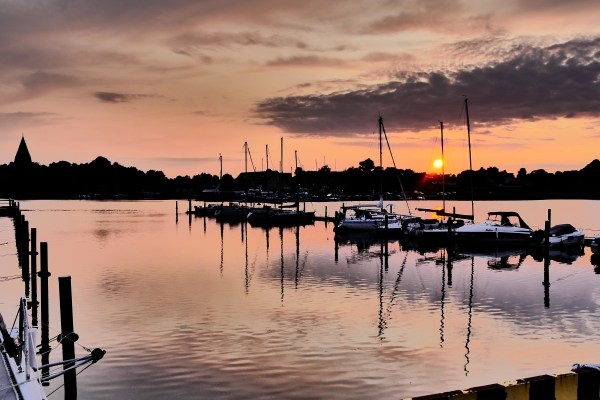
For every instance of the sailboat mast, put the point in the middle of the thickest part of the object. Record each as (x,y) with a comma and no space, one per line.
(296,157)
(380,158)
(281,163)
(221,163)
(246,157)
(470,159)
(443,173)
(267,155)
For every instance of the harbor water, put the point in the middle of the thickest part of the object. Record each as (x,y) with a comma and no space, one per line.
(193,308)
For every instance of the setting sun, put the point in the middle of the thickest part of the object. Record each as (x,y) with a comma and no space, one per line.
(438,163)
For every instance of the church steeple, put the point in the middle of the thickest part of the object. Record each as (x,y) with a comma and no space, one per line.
(22,157)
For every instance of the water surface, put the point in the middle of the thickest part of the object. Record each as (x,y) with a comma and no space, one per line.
(231,311)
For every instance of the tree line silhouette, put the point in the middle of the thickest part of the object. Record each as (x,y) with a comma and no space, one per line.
(103,179)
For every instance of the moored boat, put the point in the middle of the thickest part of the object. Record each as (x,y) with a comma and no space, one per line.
(565,235)
(501,227)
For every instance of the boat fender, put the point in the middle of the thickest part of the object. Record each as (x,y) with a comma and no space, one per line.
(97,355)
(71,336)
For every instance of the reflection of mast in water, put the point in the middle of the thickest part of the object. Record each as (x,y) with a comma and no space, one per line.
(382,318)
(470,316)
(443,298)
(242,225)
(297,255)
(449,266)
(247,281)
(281,240)
(382,323)
(221,267)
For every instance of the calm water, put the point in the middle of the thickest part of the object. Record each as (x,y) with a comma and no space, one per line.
(230,311)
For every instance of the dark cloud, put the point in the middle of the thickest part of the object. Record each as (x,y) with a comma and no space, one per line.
(110,97)
(536,83)
(306,61)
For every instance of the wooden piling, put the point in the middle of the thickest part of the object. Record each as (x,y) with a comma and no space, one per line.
(547,264)
(44,274)
(190,206)
(25,254)
(325,213)
(34,302)
(68,339)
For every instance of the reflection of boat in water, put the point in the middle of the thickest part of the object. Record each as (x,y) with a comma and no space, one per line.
(566,255)
(565,235)
(500,259)
(595,260)
(501,227)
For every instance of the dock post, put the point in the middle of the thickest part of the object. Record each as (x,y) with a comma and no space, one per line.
(386,225)
(190,206)
(34,253)
(304,206)
(176,207)
(25,255)
(68,337)
(44,274)
(550,216)
(325,213)
(547,265)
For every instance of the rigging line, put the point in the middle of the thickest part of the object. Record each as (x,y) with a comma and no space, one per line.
(9,278)
(66,337)
(69,380)
(397,175)
(10,254)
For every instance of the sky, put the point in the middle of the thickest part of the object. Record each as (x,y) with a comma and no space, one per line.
(171,85)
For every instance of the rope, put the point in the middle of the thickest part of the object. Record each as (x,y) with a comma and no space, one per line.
(65,336)
(10,254)
(9,278)
(68,380)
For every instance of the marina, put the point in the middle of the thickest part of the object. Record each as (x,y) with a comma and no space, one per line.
(192,306)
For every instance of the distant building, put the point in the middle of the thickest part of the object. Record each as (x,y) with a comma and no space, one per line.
(22,158)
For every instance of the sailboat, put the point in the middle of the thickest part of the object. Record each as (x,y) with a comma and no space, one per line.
(369,217)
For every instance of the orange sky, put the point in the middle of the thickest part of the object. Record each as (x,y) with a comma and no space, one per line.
(171,86)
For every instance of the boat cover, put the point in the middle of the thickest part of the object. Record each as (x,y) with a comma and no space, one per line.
(562,229)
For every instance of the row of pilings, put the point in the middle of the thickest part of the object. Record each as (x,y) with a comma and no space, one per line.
(27,253)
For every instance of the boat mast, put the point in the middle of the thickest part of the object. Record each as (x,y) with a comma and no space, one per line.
(246,157)
(470,159)
(221,163)
(380,158)
(296,157)
(443,173)
(281,163)
(267,156)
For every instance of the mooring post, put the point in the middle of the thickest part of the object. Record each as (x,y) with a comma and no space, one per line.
(25,255)
(176,207)
(547,265)
(386,225)
(550,216)
(190,205)
(44,274)
(68,336)
(325,213)
(34,302)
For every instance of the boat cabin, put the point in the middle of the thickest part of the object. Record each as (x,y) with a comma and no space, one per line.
(505,218)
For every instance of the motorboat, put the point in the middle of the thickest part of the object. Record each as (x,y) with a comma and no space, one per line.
(279,216)
(501,227)
(565,235)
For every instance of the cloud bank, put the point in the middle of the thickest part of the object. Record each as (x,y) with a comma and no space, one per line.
(531,83)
